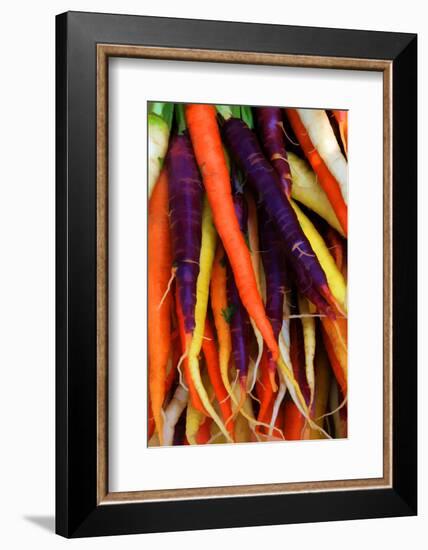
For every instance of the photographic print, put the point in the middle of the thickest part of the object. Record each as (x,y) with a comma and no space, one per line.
(211,316)
(247,274)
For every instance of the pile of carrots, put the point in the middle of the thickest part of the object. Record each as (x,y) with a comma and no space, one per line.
(247,267)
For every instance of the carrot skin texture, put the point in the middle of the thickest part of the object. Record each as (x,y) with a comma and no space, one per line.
(271,130)
(275,276)
(264,391)
(297,356)
(245,149)
(208,148)
(209,349)
(218,293)
(159,265)
(239,321)
(335,336)
(239,326)
(325,177)
(336,247)
(193,393)
(185,203)
(204,433)
(151,423)
(275,271)
(294,422)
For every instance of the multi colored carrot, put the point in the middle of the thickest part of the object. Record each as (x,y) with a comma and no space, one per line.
(159,337)
(247,275)
(207,144)
(244,147)
(316,138)
(209,347)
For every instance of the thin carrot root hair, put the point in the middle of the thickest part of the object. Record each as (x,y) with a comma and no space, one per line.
(253,423)
(296,394)
(287,136)
(180,372)
(277,404)
(334,411)
(259,339)
(168,288)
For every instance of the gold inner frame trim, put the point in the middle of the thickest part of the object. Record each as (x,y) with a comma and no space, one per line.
(104,51)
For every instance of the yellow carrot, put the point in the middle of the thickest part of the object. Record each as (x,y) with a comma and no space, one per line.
(306,310)
(335,279)
(208,245)
(309,192)
(194,419)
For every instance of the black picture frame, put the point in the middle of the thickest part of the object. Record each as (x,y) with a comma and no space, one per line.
(77,512)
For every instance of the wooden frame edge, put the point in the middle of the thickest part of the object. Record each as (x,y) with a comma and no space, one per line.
(104,51)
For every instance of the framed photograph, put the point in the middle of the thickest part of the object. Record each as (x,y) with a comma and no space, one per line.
(236,274)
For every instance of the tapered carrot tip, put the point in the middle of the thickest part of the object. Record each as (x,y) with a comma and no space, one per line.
(188,341)
(272,379)
(243,396)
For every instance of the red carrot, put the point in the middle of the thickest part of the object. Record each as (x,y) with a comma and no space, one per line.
(204,433)
(294,422)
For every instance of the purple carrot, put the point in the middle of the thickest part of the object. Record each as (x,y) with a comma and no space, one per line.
(245,149)
(239,327)
(274,267)
(185,204)
(238,316)
(271,131)
(275,276)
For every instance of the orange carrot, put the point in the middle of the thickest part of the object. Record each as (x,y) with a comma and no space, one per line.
(212,362)
(334,341)
(294,422)
(159,266)
(264,390)
(176,354)
(208,148)
(219,307)
(335,245)
(326,179)
(204,432)
(151,423)
(194,396)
